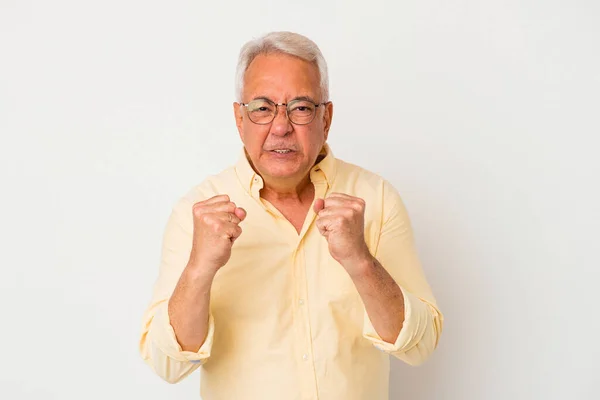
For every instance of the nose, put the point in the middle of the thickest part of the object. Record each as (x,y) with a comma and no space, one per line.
(281,125)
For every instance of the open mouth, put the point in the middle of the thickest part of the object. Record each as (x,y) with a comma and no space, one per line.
(282,151)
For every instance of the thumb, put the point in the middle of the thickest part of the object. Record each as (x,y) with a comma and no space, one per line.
(240,213)
(319,205)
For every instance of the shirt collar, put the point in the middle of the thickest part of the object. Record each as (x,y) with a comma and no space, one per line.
(323,171)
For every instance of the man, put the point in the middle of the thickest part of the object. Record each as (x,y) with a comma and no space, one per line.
(293,274)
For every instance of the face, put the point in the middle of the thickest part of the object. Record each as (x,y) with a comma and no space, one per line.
(281,79)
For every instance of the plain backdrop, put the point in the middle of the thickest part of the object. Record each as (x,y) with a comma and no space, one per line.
(484,115)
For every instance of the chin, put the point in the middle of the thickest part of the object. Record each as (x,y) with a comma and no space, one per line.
(281,172)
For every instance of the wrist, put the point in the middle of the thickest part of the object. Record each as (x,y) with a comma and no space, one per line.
(199,271)
(359,266)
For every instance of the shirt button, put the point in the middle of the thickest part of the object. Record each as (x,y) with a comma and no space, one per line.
(305,357)
(301,302)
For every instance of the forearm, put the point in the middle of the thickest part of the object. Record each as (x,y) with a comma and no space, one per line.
(382,297)
(189,307)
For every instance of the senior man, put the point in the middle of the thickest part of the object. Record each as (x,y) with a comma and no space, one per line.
(292,274)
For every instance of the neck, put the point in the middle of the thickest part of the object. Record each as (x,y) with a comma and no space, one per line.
(281,191)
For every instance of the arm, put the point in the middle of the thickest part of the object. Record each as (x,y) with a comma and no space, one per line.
(382,297)
(188,307)
(158,344)
(178,327)
(401,315)
(402,319)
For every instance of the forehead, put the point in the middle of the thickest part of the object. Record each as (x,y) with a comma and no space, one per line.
(281,77)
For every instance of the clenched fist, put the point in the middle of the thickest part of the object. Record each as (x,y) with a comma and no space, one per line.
(341,220)
(216,227)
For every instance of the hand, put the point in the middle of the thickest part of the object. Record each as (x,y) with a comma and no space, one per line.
(216,227)
(341,220)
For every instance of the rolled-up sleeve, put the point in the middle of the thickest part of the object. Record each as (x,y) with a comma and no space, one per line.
(396,251)
(158,344)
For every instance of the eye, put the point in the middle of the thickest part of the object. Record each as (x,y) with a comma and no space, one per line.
(260,106)
(302,107)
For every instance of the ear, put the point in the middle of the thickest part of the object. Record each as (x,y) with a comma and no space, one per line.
(239,118)
(327,117)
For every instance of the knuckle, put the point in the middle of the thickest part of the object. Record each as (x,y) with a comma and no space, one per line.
(217,226)
(219,196)
(205,218)
(197,209)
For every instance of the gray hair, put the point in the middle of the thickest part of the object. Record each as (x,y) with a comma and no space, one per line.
(290,43)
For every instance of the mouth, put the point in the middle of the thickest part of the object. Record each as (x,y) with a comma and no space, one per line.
(281,151)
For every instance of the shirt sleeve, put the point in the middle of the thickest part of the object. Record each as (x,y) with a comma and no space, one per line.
(158,344)
(396,252)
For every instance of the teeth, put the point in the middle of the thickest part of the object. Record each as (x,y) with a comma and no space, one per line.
(282,151)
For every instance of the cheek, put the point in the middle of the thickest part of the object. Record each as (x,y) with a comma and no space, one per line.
(254,135)
(311,138)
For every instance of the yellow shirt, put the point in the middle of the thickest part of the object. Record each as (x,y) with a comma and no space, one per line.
(286,321)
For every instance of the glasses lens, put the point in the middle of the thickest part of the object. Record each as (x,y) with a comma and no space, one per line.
(301,112)
(261,111)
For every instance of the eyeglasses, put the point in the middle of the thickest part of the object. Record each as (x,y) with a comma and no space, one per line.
(299,111)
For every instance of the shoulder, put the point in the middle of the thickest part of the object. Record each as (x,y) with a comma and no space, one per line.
(362,181)
(383,200)
(222,182)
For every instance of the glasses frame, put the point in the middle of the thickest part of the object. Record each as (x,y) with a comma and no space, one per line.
(287,115)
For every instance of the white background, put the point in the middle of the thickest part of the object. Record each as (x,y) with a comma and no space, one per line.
(484,115)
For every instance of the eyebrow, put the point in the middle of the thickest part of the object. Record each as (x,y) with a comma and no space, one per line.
(300,98)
